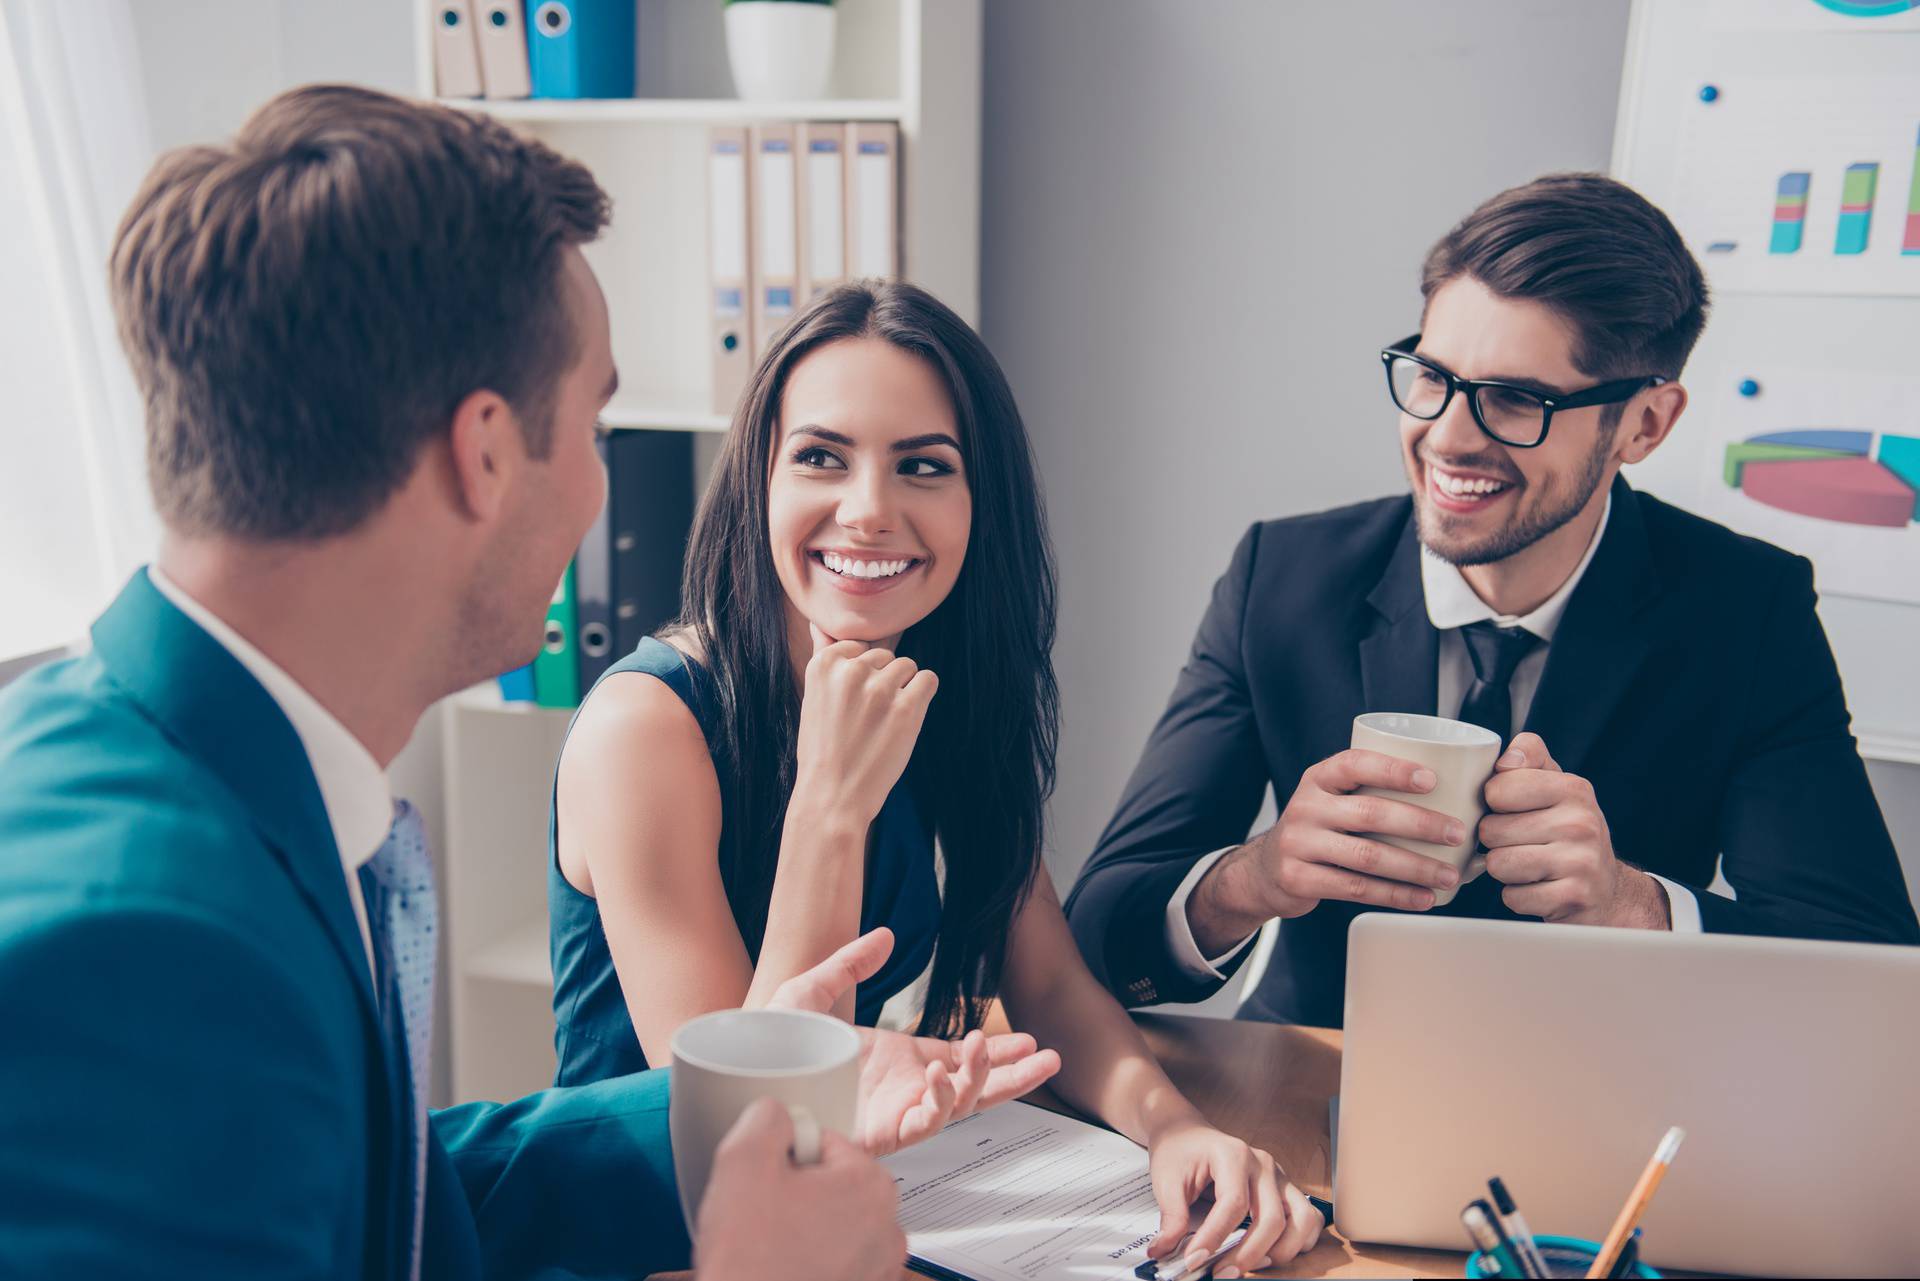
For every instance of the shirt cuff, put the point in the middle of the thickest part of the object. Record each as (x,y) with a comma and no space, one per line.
(1682,906)
(1180,940)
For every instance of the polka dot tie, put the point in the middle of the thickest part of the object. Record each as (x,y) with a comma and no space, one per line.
(398,884)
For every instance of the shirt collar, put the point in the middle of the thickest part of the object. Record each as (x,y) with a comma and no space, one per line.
(353,787)
(1452,603)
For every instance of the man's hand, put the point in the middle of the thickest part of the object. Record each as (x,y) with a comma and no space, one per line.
(912,1086)
(1319,850)
(762,1216)
(1548,843)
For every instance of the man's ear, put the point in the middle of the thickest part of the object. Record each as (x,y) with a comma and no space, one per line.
(1649,422)
(484,447)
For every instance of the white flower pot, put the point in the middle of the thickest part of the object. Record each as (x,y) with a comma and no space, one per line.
(780,49)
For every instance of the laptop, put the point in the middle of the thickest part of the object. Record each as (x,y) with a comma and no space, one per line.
(1555,1056)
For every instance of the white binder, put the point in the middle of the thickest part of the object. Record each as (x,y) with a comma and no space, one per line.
(776,232)
(822,150)
(501,30)
(456,60)
(728,255)
(873,199)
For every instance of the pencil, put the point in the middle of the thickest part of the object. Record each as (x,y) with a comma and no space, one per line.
(1636,1203)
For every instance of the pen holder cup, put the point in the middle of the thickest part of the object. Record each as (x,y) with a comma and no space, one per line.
(1565,1256)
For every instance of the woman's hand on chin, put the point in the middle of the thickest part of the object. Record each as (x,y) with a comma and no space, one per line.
(1191,1161)
(860,716)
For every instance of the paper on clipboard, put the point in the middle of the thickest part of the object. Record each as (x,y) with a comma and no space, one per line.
(1017,1193)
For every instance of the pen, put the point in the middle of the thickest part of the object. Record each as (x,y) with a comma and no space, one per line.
(1478,1220)
(1507,1243)
(1150,1270)
(1516,1225)
(1636,1203)
(1629,1259)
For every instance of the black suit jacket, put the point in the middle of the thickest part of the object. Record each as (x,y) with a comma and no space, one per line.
(1689,681)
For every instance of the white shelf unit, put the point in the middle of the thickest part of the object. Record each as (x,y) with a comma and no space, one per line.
(702,111)
(914,62)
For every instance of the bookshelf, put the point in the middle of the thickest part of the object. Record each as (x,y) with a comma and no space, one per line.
(702,111)
(916,63)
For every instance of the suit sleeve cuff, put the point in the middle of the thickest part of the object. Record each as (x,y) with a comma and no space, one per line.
(1682,906)
(1180,940)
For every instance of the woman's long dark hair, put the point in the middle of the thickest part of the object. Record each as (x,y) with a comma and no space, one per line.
(983,766)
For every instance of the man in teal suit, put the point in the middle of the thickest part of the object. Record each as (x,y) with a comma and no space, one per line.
(372,356)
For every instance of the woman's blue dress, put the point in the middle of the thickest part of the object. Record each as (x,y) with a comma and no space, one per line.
(593,1034)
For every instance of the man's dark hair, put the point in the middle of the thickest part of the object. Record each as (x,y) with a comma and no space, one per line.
(1597,253)
(306,306)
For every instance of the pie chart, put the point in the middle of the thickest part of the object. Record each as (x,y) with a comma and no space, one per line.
(1843,475)
(1869,8)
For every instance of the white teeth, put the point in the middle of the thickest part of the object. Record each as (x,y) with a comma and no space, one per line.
(863,568)
(1468,487)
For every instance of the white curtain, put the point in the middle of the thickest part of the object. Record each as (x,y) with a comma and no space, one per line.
(74,107)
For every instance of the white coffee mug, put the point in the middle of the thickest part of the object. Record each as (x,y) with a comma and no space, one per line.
(723,1062)
(1461,757)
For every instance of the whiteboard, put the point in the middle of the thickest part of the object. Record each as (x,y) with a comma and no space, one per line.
(1762,127)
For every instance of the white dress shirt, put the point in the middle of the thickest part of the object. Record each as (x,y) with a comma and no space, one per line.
(353,787)
(1451,605)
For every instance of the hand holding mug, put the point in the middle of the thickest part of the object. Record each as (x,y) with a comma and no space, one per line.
(859,719)
(766,1216)
(1549,844)
(1324,846)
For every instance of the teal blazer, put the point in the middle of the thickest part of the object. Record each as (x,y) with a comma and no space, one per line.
(192,1077)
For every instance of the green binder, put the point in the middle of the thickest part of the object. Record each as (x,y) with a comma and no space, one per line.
(556,678)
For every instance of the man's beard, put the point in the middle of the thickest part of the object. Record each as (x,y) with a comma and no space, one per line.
(1528,527)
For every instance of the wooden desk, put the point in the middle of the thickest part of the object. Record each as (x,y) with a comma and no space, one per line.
(1270,1085)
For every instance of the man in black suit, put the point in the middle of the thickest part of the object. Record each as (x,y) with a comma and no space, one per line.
(1679,702)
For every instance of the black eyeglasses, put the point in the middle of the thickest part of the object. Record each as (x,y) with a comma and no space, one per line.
(1511,414)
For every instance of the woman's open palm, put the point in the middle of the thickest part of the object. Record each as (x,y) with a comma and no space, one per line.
(912,1086)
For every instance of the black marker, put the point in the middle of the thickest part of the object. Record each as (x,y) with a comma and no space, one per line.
(1516,1227)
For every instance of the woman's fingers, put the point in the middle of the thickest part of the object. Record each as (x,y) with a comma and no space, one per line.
(1011,1080)
(1010,1047)
(1231,1201)
(1303,1227)
(1269,1217)
(1170,1193)
(935,1108)
(972,1076)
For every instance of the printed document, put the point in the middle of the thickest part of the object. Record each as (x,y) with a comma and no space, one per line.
(1017,1193)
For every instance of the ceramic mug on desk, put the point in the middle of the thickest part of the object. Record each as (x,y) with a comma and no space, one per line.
(1460,755)
(723,1062)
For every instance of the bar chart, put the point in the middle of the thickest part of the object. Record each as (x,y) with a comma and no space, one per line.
(1910,243)
(1790,213)
(1856,208)
(1792,184)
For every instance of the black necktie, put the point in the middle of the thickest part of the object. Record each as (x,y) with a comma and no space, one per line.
(1495,651)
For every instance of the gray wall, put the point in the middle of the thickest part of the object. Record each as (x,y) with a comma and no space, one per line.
(208,63)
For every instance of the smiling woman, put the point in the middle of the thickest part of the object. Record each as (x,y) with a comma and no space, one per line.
(868,506)
(853,726)
(874,517)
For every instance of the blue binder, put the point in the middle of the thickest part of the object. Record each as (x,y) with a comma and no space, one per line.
(581,48)
(516,686)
